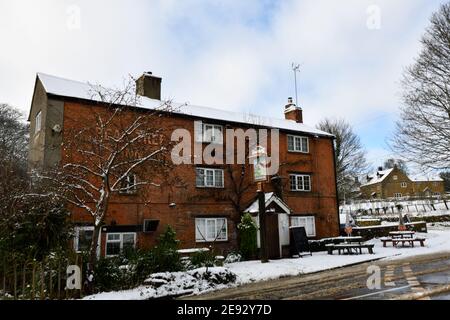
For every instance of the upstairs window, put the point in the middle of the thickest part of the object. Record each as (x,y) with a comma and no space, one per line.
(403,184)
(209,178)
(300,182)
(298,144)
(208,133)
(395,177)
(128,185)
(38,122)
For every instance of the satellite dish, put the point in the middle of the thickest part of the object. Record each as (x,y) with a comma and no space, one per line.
(57,128)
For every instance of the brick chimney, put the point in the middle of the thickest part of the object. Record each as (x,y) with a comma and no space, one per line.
(292,112)
(149,86)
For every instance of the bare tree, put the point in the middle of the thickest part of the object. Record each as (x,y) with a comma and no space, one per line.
(423,131)
(445,175)
(110,149)
(349,154)
(13,156)
(391,162)
(240,184)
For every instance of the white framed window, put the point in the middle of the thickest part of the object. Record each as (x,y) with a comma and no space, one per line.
(300,182)
(403,185)
(211,229)
(436,194)
(298,144)
(397,195)
(118,242)
(38,122)
(395,177)
(308,222)
(128,185)
(209,178)
(211,133)
(83,238)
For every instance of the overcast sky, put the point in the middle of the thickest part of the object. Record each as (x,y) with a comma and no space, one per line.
(233,55)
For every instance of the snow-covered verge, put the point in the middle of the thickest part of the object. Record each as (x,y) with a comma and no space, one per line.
(192,282)
(173,284)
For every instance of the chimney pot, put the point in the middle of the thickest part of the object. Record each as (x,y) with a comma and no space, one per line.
(292,112)
(149,86)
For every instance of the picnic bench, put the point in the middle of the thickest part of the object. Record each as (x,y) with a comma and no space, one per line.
(397,237)
(397,241)
(351,248)
(402,234)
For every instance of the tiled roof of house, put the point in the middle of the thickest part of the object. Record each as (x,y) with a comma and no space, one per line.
(377,177)
(81,90)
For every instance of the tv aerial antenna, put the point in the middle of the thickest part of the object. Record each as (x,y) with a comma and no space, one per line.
(295,68)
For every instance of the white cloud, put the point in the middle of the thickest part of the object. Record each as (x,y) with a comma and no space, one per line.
(227,54)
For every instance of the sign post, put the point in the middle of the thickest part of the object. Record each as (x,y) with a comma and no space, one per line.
(260,176)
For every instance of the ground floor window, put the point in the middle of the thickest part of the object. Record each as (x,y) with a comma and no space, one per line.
(119,242)
(397,195)
(300,182)
(308,222)
(83,238)
(211,229)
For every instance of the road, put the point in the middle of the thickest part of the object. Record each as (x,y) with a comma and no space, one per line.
(422,277)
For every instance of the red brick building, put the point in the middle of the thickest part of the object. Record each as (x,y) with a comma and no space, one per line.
(302,193)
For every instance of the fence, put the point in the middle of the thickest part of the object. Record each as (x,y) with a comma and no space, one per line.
(29,279)
(407,206)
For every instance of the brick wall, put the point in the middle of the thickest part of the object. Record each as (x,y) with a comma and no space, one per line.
(192,202)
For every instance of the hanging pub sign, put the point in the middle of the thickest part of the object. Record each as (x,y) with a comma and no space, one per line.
(259,159)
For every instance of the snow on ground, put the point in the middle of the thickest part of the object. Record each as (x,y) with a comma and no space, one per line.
(166,284)
(438,240)
(251,271)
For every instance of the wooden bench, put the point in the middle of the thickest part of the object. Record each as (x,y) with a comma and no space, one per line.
(396,241)
(350,247)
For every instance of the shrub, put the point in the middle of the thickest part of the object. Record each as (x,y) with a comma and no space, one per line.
(132,267)
(165,256)
(202,259)
(248,232)
(108,274)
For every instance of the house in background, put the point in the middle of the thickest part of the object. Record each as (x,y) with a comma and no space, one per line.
(394,183)
(304,193)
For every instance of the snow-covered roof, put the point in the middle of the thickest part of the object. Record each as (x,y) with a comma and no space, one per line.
(377,177)
(268,199)
(81,90)
(425,178)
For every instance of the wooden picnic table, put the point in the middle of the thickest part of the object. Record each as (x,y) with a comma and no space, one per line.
(346,239)
(402,237)
(351,245)
(350,248)
(402,234)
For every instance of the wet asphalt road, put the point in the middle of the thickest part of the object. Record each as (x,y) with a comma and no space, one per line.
(422,277)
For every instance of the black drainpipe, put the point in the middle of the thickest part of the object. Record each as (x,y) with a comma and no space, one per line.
(335,184)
